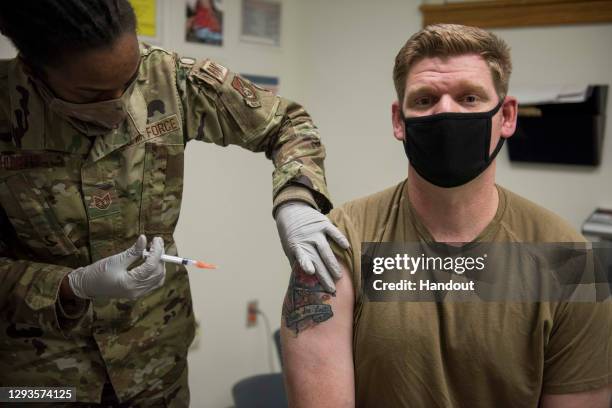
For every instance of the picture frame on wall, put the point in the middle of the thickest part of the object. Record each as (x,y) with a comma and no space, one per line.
(261,22)
(149,16)
(204,22)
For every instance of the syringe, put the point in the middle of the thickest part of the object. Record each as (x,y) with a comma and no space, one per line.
(182,261)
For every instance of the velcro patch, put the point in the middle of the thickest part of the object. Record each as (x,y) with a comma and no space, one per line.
(161,127)
(215,70)
(101,202)
(247,91)
(30,161)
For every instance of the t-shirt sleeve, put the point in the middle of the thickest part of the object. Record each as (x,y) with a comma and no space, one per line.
(578,356)
(349,257)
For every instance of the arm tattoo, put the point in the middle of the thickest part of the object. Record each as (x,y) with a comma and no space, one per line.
(306,302)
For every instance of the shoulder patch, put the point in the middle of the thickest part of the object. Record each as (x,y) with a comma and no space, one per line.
(215,70)
(247,91)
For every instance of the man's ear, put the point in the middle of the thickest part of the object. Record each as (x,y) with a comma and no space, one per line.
(399,131)
(509,116)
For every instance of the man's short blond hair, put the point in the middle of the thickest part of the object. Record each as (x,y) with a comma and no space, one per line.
(448,40)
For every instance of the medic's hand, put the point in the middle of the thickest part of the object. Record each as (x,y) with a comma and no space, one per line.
(110,277)
(303,232)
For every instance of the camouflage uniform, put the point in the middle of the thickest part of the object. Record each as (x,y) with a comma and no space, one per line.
(68,200)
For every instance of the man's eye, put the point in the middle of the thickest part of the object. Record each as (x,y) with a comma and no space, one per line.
(470,98)
(423,101)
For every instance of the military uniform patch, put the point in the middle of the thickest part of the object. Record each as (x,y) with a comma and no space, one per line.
(217,71)
(247,91)
(161,127)
(101,202)
(30,161)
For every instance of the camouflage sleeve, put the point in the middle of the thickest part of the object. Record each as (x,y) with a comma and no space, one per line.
(221,107)
(29,290)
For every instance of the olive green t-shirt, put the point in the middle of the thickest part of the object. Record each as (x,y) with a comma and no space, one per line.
(469,354)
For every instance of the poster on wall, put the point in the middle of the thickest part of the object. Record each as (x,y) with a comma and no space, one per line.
(148,14)
(261,21)
(266,82)
(204,22)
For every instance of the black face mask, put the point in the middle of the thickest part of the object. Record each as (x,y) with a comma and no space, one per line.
(451,149)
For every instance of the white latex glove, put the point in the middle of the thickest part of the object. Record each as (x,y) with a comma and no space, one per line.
(303,232)
(110,278)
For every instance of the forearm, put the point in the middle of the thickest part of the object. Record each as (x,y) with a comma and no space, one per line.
(69,305)
(317,375)
(299,155)
(66,293)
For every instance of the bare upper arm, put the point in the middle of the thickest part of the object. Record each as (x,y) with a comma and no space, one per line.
(600,398)
(317,339)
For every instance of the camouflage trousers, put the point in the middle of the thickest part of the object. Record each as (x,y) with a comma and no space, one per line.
(175,396)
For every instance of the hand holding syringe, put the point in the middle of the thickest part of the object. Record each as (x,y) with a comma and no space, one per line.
(182,261)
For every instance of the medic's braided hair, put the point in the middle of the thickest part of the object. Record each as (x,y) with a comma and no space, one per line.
(46,31)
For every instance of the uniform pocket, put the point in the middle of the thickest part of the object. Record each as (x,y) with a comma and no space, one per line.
(33,218)
(162,188)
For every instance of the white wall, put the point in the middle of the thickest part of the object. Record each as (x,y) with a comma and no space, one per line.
(336,58)
(351,48)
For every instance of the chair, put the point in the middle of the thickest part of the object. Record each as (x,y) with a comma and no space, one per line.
(263,390)
(260,391)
